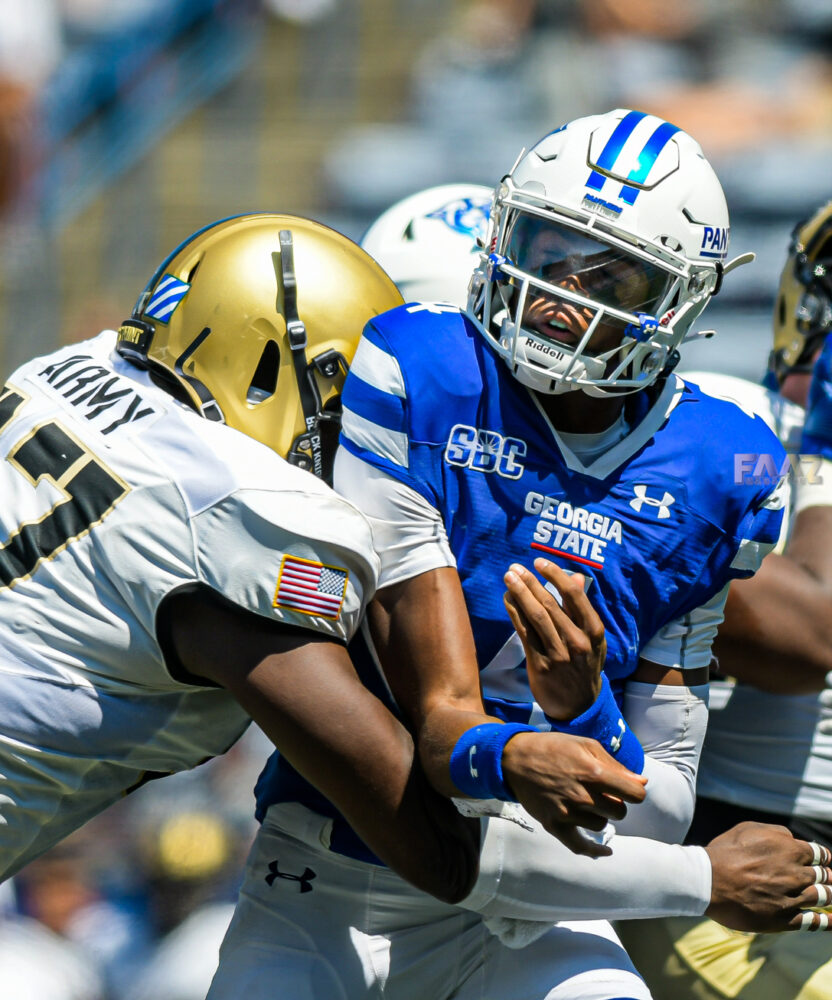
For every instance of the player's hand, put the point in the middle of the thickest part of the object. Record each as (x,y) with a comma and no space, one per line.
(764,880)
(565,646)
(817,430)
(567,782)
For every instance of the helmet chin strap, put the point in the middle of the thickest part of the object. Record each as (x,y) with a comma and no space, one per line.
(135,336)
(208,406)
(306,448)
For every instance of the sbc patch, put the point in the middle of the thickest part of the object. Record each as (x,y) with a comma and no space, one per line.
(169,293)
(310,587)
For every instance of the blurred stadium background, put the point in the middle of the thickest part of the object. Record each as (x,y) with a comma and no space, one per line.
(127,124)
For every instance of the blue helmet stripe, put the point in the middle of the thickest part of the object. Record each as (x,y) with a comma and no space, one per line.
(647,157)
(609,154)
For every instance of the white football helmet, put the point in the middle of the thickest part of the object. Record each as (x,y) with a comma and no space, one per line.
(428,242)
(615,222)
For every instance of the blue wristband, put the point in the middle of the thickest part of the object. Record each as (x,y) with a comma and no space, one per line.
(477,760)
(603,721)
(817,430)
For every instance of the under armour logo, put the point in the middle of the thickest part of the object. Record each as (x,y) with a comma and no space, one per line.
(304,879)
(641,498)
(615,742)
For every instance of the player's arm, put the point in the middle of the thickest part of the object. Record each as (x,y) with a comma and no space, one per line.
(754,877)
(302,690)
(777,633)
(423,638)
(665,704)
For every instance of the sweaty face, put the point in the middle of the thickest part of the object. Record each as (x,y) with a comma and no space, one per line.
(595,270)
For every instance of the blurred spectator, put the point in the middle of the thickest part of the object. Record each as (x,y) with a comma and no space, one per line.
(40,965)
(30,41)
(30,48)
(64,891)
(189,860)
(185,962)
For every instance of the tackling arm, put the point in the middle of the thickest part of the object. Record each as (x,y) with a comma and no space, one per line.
(755,877)
(303,691)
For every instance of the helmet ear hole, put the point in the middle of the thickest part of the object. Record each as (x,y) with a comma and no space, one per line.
(781,310)
(264,380)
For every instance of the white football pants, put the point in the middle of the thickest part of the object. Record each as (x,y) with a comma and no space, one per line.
(313,925)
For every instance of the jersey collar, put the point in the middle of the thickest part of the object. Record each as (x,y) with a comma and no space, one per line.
(639,435)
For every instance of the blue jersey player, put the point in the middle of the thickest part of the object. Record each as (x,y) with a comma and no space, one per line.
(547,422)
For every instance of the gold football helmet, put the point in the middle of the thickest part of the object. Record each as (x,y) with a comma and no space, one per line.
(254,321)
(803,309)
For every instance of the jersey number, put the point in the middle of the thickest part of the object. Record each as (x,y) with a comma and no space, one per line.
(90,491)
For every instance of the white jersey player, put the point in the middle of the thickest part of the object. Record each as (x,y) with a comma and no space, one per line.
(165,573)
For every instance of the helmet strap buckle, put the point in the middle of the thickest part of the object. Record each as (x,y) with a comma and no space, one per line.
(134,339)
(644,330)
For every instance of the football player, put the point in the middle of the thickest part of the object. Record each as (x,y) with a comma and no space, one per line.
(450,442)
(768,752)
(168,569)
(429,243)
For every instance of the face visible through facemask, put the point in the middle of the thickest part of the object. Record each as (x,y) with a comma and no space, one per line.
(609,277)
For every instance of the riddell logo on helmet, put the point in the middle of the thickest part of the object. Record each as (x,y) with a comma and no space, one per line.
(547,349)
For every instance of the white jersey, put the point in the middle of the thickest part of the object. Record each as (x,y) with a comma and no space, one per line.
(114,496)
(763,751)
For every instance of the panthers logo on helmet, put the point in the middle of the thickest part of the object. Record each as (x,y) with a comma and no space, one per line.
(468,216)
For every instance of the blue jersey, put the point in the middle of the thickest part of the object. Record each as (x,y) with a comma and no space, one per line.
(659,524)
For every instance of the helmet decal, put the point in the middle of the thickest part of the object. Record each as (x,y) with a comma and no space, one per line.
(168,294)
(430,242)
(646,159)
(468,216)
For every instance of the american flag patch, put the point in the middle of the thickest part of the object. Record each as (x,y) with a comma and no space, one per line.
(169,293)
(310,587)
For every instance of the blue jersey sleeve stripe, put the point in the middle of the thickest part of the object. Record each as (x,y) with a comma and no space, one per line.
(374,405)
(763,527)
(373,365)
(373,439)
(394,469)
(750,556)
(763,522)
